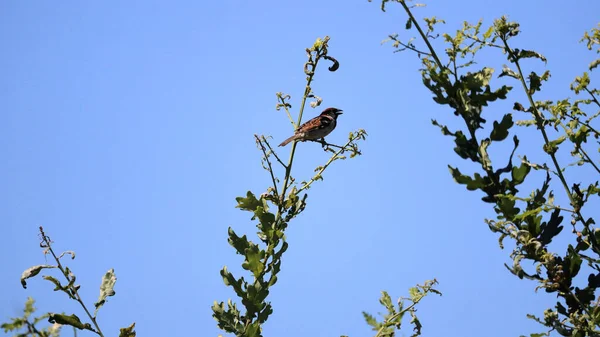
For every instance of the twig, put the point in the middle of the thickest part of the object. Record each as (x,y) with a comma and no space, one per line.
(580,149)
(47,242)
(266,156)
(324,143)
(395,39)
(273,152)
(331,160)
(593,96)
(423,36)
(475,38)
(281,98)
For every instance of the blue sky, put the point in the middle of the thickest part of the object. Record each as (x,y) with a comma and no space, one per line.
(127,132)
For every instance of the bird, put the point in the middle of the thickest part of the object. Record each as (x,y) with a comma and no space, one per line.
(316,128)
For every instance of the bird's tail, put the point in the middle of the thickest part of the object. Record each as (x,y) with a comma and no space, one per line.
(285,142)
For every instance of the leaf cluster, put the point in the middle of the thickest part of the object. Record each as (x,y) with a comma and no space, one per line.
(71,289)
(392,319)
(532,221)
(27,323)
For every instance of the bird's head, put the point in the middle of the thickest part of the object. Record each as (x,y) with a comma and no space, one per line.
(333,112)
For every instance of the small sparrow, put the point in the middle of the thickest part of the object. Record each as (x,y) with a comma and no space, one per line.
(316,128)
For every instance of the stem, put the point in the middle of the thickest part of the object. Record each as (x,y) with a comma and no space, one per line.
(324,143)
(331,160)
(393,38)
(538,117)
(73,289)
(423,36)
(274,153)
(281,98)
(393,317)
(476,39)
(288,168)
(584,123)
(593,96)
(580,149)
(264,151)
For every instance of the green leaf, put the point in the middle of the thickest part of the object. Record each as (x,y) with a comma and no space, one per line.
(253,330)
(371,320)
(68,252)
(265,313)
(72,320)
(228,320)
(535,81)
(472,184)
(249,203)
(478,79)
(530,213)
(521,54)
(574,261)
(106,289)
(416,323)
(507,207)
(230,280)
(552,146)
(415,294)
(253,262)
(265,218)
(552,228)
(128,331)
(506,71)
(33,271)
(485,158)
(594,64)
(239,243)
(500,131)
(520,173)
(56,282)
(386,301)
(29,308)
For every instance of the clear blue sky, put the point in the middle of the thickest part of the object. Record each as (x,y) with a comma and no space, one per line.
(126,130)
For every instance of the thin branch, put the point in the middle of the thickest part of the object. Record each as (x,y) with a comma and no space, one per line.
(333,158)
(266,156)
(539,119)
(475,38)
(324,143)
(284,104)
(274,153)
(580,149)
(406,46)
(46,240)
(423,35)
(593,96)
(584,123)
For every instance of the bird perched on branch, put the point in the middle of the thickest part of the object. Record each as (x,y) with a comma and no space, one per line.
(316,128)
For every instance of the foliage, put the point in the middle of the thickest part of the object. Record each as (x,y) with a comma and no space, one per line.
(273,210)
(29,324)
(531,221)
(71,290)
(392,320)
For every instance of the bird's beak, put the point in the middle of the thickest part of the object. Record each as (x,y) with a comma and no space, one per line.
(340,112)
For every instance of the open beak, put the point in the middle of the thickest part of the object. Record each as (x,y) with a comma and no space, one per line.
(339,112)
